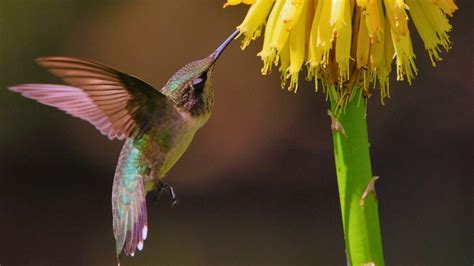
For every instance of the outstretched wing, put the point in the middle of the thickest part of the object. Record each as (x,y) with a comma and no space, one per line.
(117,104)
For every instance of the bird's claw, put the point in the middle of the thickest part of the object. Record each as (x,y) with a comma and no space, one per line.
(174,203)
(163,185)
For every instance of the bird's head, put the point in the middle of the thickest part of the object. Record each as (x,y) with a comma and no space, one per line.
(190,87)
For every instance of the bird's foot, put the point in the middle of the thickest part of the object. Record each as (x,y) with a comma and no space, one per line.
(159,189)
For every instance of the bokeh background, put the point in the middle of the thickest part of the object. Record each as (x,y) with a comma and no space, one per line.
(257,186)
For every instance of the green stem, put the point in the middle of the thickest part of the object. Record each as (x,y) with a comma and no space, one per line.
(351,152)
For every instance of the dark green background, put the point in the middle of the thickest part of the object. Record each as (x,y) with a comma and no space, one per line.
(257,186)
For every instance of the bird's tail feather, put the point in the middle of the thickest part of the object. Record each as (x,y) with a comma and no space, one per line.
(129,204)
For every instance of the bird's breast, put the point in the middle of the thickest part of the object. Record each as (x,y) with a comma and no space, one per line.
(181,144)
(166,143)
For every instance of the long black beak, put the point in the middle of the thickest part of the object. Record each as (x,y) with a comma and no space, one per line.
(215,55)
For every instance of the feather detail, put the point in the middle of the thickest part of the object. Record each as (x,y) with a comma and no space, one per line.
(71,100)
(117,104)
(128,203)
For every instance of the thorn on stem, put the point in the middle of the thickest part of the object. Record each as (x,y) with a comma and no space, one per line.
(336,126)
(370,189)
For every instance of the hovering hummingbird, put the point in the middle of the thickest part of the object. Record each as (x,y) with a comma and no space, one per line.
(157,125)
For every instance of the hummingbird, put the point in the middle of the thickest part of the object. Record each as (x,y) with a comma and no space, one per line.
(157,125)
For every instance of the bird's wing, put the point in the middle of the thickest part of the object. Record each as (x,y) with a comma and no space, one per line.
(128,202)
(117,104)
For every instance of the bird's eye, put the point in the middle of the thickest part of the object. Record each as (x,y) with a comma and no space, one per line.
(197,80)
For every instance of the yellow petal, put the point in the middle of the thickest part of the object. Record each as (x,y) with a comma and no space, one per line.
(267,54)
(362,4)
(252,25)
(404,56)
(298,47)
(389,49)
(373,20)
(425,28)
(284,57)
(440,23)
(448,6)
(315,55)
(343,43)
(377,53)
(286,21)
(395,11)
(325,32)
(337,14)
(385,67)
(236,2)
(363,44)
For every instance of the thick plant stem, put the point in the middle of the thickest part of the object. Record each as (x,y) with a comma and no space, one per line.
(354,175)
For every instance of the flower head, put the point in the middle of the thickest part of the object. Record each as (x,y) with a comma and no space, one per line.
(345,43)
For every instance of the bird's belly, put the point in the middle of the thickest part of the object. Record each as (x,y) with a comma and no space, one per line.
(164,145)
(181,144)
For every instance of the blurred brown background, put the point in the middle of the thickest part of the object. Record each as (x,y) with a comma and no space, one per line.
(257,186)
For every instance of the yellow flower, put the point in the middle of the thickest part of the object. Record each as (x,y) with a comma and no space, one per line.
(345,43)
(236,2)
